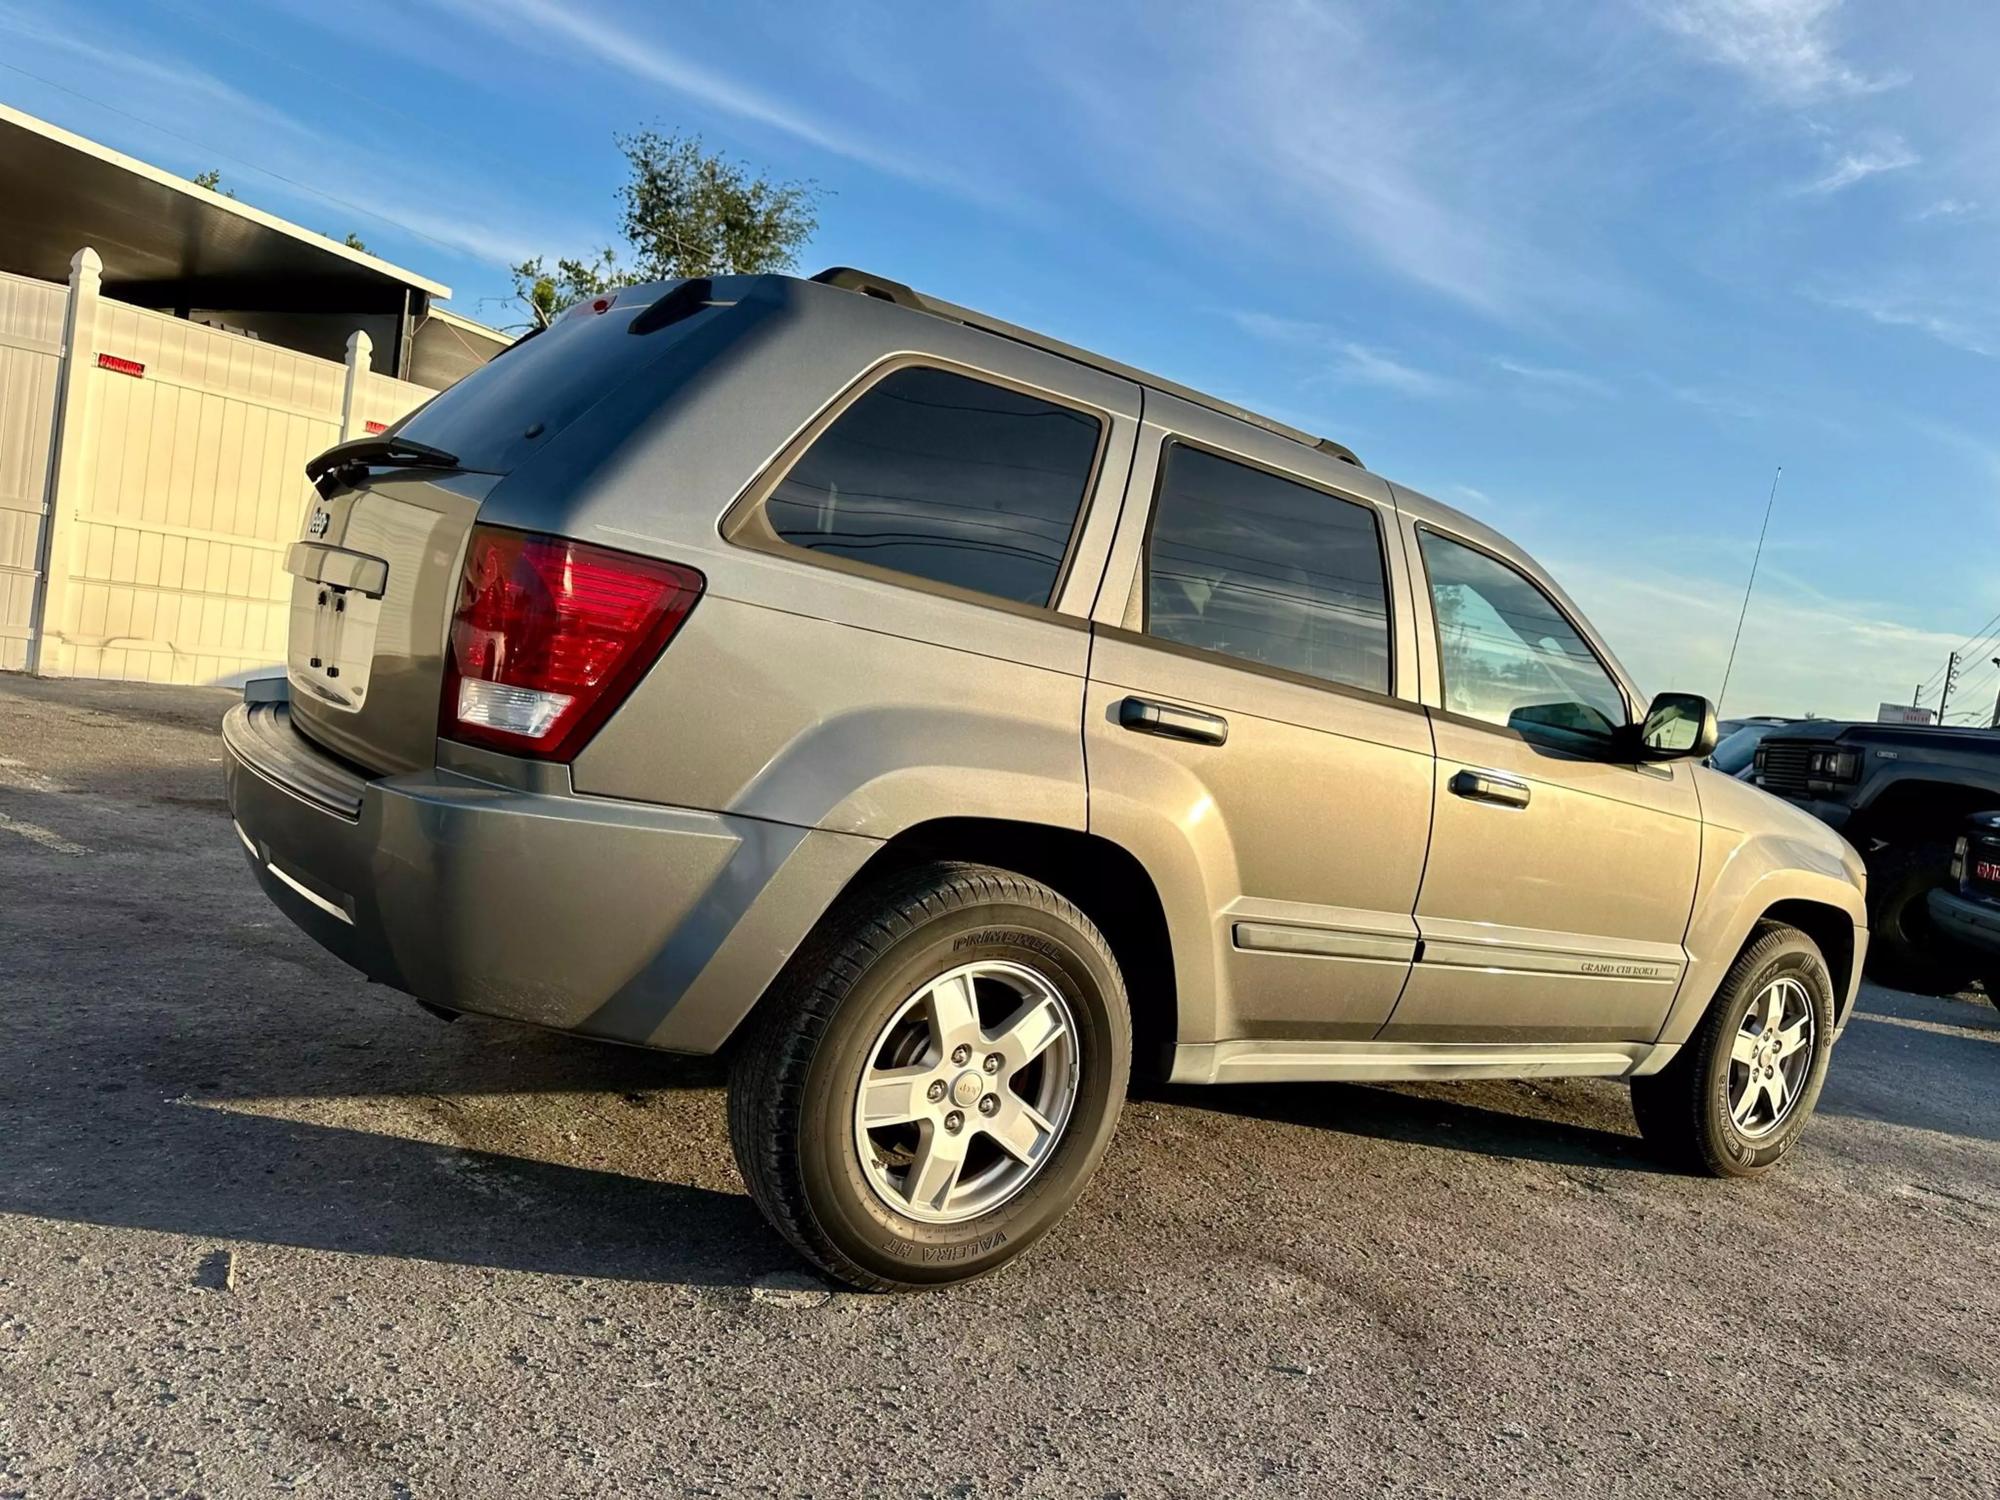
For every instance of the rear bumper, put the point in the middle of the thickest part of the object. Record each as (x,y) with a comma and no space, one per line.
(638,923)
(1971,923)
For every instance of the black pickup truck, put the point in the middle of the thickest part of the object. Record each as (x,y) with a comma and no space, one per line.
(1900,794)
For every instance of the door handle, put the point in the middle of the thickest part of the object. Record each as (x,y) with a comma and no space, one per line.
(1144,716)
(1490,786)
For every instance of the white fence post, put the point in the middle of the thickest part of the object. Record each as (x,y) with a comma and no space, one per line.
(72,460)
(360,349)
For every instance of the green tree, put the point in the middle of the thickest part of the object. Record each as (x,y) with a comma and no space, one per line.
(212,180)
(686,211)
(353,242)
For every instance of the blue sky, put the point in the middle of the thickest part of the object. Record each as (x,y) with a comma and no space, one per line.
(1587,270)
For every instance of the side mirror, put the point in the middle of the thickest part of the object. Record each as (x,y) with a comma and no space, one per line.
(1678,725)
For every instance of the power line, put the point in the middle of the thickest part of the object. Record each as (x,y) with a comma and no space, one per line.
(1987,634)
(1756,557)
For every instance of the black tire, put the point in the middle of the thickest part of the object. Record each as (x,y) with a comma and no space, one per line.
(1904,950)
(793,1083)
(1683,1110)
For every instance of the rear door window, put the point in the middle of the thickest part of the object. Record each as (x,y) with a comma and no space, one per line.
(1242,562)
(946,478)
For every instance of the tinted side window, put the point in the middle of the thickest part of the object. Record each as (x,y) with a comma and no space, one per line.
(1251,565)
(947,478)
(1507,653)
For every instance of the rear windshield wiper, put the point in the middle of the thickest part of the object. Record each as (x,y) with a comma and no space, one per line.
(379,448)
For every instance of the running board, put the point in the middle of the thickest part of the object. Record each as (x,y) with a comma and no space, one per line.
(1323,1062)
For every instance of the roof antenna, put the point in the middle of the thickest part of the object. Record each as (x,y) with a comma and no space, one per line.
(1754,560)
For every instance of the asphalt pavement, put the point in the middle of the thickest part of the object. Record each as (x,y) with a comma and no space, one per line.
(265,1228)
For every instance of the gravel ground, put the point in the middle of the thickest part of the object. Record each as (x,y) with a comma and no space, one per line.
(266,1228)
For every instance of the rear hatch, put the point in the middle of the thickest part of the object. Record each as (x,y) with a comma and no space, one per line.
(375,574)
(373,582)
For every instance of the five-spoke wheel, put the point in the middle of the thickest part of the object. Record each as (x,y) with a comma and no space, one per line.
(1770,1057)
(935,1077)
(967,1090)
(1735,1097)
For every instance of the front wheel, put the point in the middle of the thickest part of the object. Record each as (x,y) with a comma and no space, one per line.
(1737,1096)
(930,1084)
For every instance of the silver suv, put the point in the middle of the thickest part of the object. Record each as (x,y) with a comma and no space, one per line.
(943,719)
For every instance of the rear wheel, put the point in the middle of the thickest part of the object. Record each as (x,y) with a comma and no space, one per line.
(1904,950)
(1737,1096)
(929,1086)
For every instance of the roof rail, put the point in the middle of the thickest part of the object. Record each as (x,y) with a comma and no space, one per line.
(848,279)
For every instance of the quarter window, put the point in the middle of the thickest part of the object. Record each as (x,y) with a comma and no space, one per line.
(1254,566)
(947,478)
(1508,655)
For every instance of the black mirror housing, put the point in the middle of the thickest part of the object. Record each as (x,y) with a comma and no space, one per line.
(1678,726)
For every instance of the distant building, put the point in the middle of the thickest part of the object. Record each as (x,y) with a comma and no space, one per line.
(178,248)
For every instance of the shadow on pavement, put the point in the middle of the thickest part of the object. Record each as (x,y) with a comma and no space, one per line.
(130,1159)
(1386,1114)
(283,1183)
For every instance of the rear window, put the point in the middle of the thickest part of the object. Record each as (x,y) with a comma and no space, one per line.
(946,478)
(543,384)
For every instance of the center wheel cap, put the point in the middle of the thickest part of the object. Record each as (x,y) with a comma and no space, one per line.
(966,1089)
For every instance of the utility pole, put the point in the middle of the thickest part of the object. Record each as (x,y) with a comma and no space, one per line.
(1950,682)
(1996,701)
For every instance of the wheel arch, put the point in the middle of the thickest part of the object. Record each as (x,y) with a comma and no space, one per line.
(1770,879)
(1832,932)
(1105,881)
(1916,806)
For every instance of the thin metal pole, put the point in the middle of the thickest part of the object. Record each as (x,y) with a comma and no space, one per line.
(1756,558)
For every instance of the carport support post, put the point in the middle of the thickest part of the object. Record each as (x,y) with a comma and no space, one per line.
(360,352)
(72,459)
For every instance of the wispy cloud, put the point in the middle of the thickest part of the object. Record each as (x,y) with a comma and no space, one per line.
(1465,494)
(1327,135)
(644,56)
(1338,357)
(1887,153)
(1711,401)
(1802,652)
(1949,209)
(1972,327)
(1358,364)
(1787,48)
(277,160)
(198,92)
(1551,379)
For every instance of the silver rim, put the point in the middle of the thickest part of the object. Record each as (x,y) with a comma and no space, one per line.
(1769,1059)
(966,1092)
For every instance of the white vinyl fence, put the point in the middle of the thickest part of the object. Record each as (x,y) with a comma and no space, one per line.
(152,475)
(31,318)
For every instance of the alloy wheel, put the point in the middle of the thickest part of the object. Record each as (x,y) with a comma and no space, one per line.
(966,1092)
(1770,1057)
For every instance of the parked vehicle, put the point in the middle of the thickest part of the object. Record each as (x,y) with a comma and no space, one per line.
(942,719)
(1737,748)
(1899,793)
(1965,911)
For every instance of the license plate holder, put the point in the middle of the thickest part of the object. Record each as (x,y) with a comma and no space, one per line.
(332,642)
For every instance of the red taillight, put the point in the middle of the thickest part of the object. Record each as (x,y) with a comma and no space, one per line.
(550,635)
